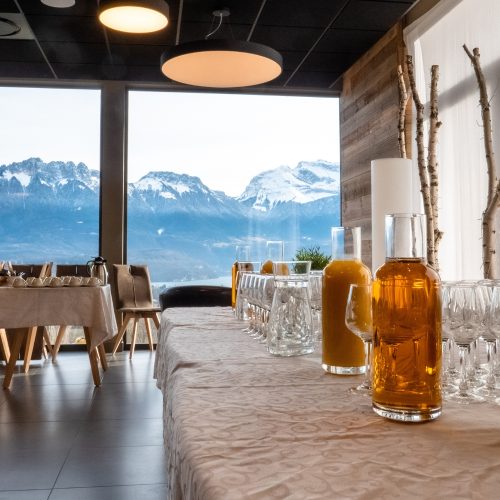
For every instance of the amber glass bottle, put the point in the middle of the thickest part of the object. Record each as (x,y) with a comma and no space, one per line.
(407,326)
(242,255)
(343,351)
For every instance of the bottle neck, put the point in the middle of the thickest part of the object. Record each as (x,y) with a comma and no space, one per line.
(405,237)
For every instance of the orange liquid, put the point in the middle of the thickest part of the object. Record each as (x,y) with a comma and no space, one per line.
(234,285)
(341,347)
(407,337)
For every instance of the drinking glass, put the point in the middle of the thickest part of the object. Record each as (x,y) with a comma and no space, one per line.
(315,287)
(290,321)
(465,319)
(358,318)
(275,250)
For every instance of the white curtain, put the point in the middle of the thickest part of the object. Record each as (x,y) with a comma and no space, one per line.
(437,38)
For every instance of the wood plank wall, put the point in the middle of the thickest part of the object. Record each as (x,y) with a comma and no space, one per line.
(369,106)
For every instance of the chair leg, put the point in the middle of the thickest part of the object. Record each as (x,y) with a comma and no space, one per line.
(4,345)
(134,334)
(102,356)
(46,339)
(155,319)
(121,332)
(30,342)
(148,332)
(58,342)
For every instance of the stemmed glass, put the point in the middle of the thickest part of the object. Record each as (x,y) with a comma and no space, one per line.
(465,320)
(493,316)
(358,318)
(447,342)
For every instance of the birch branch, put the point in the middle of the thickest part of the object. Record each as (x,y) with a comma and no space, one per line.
(432,163)
(422,167)
(490,266)
(403,101)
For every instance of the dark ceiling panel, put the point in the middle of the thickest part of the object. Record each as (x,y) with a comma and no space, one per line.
(284,38)
(370,15)
(349,41)
(300,13)
(79,48)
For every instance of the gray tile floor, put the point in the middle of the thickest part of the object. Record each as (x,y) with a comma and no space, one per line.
(61,438)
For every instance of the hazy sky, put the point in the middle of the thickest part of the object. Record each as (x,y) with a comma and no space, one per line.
(224,139)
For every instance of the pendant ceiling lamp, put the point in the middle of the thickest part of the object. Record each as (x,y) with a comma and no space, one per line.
(133,16)
(222,63)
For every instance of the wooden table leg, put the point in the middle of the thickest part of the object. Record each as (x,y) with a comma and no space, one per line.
(102,356)
(28,352)
(93,358)
(4,343)
(14,354)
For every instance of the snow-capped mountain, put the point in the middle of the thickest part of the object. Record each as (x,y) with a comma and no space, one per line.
(34,176)
(182,228)
(306,183)
(168,191)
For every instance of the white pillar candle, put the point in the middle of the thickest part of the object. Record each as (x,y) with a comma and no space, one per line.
(391,193)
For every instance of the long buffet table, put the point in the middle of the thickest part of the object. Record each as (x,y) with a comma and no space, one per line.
(241,424)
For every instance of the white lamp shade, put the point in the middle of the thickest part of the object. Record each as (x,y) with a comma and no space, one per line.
(391,185)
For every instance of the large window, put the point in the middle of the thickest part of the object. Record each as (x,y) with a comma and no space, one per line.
(49,178)
(49,175)
(207,172)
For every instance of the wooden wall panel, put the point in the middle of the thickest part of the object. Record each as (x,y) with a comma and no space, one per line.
(368,127)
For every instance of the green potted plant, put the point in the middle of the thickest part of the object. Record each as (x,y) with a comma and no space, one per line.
(318,259)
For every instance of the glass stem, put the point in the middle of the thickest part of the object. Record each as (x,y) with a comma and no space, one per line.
(490,379)
(368,363)
(444,368)
(463,386)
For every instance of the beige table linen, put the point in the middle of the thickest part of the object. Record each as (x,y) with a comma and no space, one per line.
(79,306)
(241,424)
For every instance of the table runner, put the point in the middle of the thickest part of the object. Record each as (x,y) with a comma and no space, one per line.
(239,423)
(79,306)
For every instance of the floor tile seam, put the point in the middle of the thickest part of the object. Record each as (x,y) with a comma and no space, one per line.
(68,453)
(104,486)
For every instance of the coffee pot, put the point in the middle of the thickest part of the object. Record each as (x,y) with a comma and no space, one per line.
(97,269)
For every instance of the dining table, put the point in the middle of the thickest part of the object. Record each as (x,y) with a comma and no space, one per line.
(26,308)
(240,423)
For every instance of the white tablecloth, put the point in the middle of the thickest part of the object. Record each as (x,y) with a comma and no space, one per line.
(241,424)
(79,306)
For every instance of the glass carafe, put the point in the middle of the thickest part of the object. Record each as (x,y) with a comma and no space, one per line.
(343,352)
(407,326)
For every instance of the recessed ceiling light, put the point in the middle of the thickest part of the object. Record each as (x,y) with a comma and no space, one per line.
(8,27)
(134,16)
(59,4)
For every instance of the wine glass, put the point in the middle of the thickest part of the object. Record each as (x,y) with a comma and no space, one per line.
(493,316)
(464,321)
(359,320)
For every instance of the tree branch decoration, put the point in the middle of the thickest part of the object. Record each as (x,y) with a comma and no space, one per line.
(490,265)
(403,101)
(428,170)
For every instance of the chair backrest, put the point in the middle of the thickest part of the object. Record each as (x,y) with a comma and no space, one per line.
(72,270)
(132,286)
(34,270)
(195,296)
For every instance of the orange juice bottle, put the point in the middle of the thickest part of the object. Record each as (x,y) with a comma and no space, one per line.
(343,351)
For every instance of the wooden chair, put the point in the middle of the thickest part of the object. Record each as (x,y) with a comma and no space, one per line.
(72,270)
(134,298)
(66,270)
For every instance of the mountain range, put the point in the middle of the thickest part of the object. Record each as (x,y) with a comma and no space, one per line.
(176,224)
